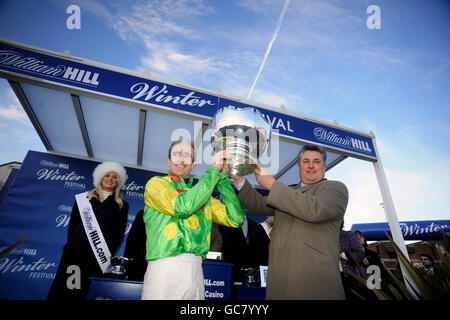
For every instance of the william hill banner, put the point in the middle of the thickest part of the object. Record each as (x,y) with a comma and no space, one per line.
(86,76)
(39,202)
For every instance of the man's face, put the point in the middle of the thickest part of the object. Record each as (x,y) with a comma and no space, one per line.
(425,261)
(311,167)
(180,161)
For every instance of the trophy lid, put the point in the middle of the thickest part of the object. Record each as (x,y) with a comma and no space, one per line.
(240,120)
(244,133)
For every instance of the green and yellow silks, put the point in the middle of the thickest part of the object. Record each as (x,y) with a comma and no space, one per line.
(178,216)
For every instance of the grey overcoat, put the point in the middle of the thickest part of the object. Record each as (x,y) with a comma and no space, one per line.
(304,248)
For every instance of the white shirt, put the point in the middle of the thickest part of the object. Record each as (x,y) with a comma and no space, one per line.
(106,194)
(240,185)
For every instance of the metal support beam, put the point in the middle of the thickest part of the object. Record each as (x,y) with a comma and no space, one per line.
(141,134)
(30,113)
(286,168)
(82,124)
(199,133)
(295,161)
(335,162)
(391,215)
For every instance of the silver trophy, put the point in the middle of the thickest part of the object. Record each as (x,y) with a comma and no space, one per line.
(118,267)
(244,133)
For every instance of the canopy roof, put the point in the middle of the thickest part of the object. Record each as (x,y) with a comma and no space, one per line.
(87,109)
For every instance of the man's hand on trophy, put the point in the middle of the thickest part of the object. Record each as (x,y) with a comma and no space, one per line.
(263,177)
(219,160)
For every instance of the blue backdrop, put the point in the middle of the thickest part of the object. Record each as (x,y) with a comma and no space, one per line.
(39,202)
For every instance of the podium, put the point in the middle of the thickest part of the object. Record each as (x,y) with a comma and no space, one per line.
(217,277)
(250,293)
(114,289)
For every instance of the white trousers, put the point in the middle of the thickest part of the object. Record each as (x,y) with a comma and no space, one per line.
(174,278)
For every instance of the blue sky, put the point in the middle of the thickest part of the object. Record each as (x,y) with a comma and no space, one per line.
(325,63)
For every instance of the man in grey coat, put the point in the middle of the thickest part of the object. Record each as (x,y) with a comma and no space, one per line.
(304,248)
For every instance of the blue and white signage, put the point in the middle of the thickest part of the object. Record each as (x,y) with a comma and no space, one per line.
(83,76)
(39,202)
(66,71)
(311,131)
(411,230)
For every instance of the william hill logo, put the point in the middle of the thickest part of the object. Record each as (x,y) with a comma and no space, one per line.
(361,145)
(20,62)
(71,180)
(332,137)
(81,75)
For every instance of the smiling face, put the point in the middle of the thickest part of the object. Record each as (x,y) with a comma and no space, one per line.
(311,167)
(109,181)
(181,160)
(361,239)
(425,261)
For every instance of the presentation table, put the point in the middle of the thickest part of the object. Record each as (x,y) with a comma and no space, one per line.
(217,277)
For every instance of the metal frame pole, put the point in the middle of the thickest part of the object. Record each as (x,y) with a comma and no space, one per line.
(391,215)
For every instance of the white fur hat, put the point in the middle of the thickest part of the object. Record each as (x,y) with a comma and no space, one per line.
(107,166)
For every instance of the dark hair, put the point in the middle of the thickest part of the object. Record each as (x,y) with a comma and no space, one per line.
(182,140)
(426,255)
(312,147)
(362,235)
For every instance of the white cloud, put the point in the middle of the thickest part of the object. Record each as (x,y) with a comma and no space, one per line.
(14,113)
(25,136)
(416,195)
(147,20)
(258,6)
(414,191)
(12,110)
(417,175)
(268,98)
(364,195)
(167,60)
